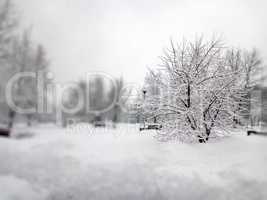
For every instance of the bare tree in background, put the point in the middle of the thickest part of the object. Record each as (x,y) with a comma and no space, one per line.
(152,91)
(8,26)
(254,75)
(105,99)
(117,97)
(27,57)
(250,63)
(18,55)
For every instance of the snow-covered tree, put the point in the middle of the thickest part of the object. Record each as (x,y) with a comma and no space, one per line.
(200,91)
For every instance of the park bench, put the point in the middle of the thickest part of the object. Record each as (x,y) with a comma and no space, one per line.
(150,126)
(254,132)
(257,130)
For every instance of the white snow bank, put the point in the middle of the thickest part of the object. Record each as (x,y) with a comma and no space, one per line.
(13,188)
(58,164)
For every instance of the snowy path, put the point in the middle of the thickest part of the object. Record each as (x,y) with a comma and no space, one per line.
(56,165)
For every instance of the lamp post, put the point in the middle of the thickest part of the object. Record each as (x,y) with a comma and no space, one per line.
(144,96)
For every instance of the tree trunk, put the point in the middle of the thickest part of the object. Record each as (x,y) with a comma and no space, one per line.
(11,116)
(188,96)
(208,130)
(29,120)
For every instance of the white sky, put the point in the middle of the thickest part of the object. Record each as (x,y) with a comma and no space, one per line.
(123,37)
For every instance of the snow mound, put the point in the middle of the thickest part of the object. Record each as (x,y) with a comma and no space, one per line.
(58,165)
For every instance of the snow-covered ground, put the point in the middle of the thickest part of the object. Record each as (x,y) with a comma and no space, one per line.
(85,164)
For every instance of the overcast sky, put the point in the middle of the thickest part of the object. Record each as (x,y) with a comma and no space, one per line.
(124,37)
